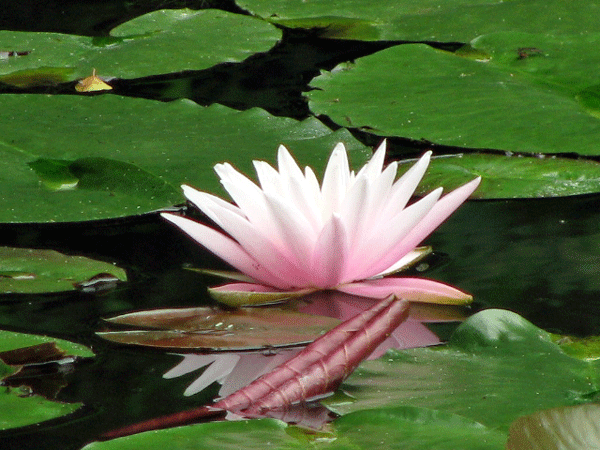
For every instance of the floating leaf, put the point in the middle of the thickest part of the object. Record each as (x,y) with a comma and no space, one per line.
(514,177)
(448,99)
(219,330)
(129,156)
(428,20)
(24,270)
(159,42)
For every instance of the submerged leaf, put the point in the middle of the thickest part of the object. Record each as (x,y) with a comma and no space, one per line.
(219,330)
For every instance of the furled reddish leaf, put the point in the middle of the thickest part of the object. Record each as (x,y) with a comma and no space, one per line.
(316,371)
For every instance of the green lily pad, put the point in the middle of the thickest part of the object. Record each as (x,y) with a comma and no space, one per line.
(505,176)
(19,408)
(452,100)
(219,330)
(29,271)
(428,20)
(82,158)
(568,428)
(159,42)
(10,340)
(411,428)
(469,376)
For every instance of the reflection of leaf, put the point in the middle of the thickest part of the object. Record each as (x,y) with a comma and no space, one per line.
(48,270)
(216,329)
(567,428)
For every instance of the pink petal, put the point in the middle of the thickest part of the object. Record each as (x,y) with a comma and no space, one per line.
(226,249)
(413,289)
(330,254)
(440,212)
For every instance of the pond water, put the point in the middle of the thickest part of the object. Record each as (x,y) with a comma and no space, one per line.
(536,257)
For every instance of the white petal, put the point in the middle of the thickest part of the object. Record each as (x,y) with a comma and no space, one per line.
(288,168)
(297,234)
(373,168)
(366,259)
(403,189)
(335,181)
(268,177)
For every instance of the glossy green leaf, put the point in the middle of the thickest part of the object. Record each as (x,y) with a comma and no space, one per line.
(10,340)
(216,329)
(411,428)
(506,176)
(496,367)
(18,407)
(429,20)
(28,271)
(568,428)
(79,158)
(245,434)
(453,100)
(159,42)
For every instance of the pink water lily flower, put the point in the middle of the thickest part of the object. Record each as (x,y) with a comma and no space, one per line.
(291,235)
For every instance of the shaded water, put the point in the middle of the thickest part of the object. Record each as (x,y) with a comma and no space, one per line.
(536,257)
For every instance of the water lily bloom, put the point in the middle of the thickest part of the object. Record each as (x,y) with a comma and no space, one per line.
(291,235)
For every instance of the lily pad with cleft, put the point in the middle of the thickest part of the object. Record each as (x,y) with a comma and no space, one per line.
(80,158)
(452,99)
(160,42)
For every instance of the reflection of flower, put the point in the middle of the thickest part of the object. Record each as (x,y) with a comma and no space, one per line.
(291,234)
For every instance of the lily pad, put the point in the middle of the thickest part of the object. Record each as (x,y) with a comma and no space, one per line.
(79,158)
(19,408)
(452,100)
(505,176)
(428,20)
(488,349)
(219,330)
(159,42)
(29,271)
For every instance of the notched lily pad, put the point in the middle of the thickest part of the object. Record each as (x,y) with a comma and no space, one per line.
(216,329)
(29,271)
(514,176)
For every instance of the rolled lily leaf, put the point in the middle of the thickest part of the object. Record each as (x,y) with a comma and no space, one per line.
(317,370)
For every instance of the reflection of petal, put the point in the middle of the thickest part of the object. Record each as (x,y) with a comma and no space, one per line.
(189,364)
(218,371)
